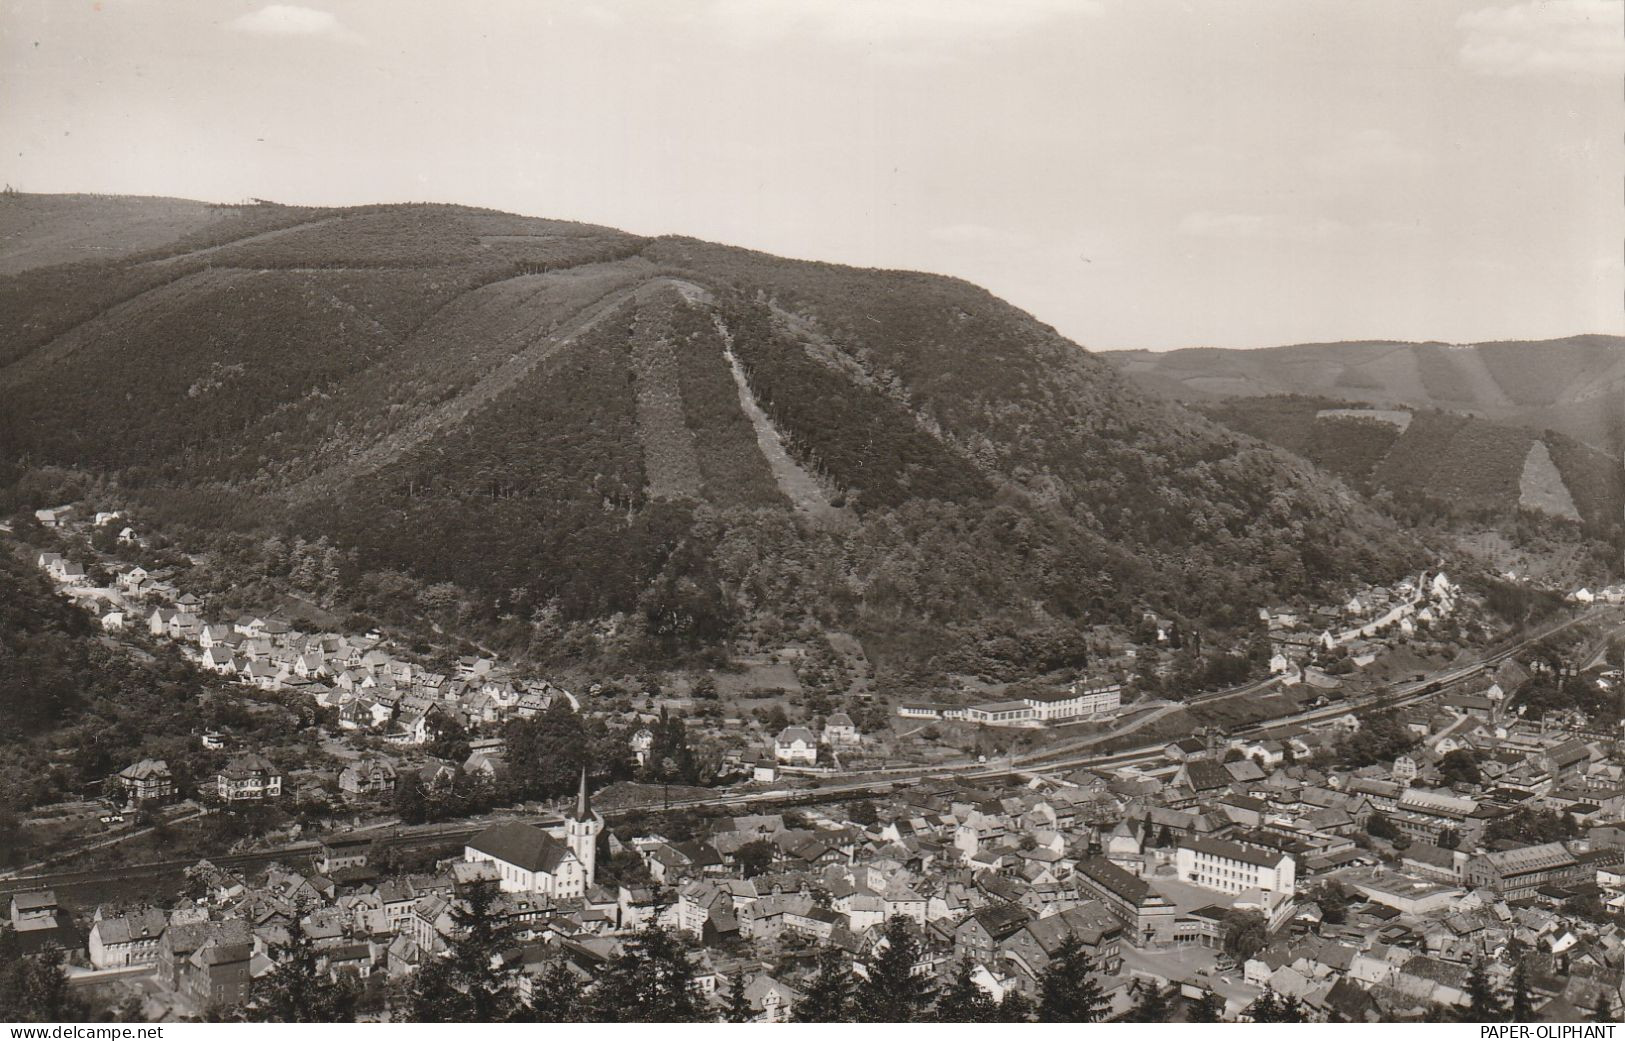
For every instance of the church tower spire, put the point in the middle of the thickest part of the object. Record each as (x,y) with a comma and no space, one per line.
(581,828)
(583,811)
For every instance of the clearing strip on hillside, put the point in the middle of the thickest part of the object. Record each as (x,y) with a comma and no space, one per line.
(803,490)
(669,457)
(1541,487)
(485,390)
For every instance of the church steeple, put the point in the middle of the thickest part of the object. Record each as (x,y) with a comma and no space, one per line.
(583,810)
(581,829)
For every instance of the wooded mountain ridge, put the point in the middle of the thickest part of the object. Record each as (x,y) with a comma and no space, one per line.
(625,446)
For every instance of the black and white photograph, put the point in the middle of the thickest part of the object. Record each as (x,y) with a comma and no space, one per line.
(868,512)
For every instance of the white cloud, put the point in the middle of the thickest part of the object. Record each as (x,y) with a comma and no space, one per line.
(898,29)
(1277,226)
(291,20)
(1572,39)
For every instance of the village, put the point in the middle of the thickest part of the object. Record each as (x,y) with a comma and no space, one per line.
(1366,865)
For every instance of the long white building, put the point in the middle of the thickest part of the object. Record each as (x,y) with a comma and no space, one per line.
(1230,868)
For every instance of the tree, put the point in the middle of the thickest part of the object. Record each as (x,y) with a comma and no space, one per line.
(738,1010)
(1484,1005)
(1333,901)
(650,981)
(1068,992)
(1244,933)
(1152,1006)
(1208,1009)
(1523,1009)
(1459,767)
(965,1001)
(892,993)
(862,812)
(827,997)
(756,856)
(1532,826)
(33,988)
(468,984)
(296,990)
(1270,1007)
(1380,827)
(1014,1007)
(556,996)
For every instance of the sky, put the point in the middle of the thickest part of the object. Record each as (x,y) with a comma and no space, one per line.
(1137,173)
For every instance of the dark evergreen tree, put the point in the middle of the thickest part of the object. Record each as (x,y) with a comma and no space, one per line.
(738,1010)
(650,981)
(1151,1007)
(1523,1008)
(892,993)
(827,997)
(1068,991)
(1209,1008)
(964,1001)
(1014,1007)
(469,984)
(1266,1008)
(557,995)
(1484,1005)
(297,990)
(33,988)
(1292,1010)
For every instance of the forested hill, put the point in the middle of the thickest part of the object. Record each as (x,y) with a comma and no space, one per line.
(1574,385)
(1446,464)
(613,445)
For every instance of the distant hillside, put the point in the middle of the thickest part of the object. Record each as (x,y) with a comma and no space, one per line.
(42,230)
(1574,385)
(615,445)
(1457,464)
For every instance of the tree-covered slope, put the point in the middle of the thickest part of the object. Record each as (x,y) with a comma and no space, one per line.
(1455,465)
(607,444)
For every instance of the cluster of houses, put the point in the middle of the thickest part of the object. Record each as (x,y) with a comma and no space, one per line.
(371,688)
(801,746)
(1614,594)
(1368,893)
(1360,627)
(1371,892)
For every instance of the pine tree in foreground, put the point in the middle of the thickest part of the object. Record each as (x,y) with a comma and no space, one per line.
(1152,1006)
(1014,1007)
(469,983)
(1068,991)
(892,993)
(827,997)
(738,1010)
(1523,1009)
(1209,1008)
(1484,1005)
(296,990)
(650,981)
(964,1000)
(556,996)
(1270,1007)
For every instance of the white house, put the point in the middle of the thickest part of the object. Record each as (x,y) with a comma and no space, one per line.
(840,730)
(797,746)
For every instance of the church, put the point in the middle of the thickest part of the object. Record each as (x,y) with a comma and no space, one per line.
(560,862)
